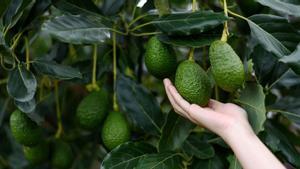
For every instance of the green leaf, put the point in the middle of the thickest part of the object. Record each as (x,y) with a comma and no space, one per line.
(233,162)
(174,132)
(78,7)
(290,7)
(21,84)
(111,7)
(141,107)
(79,29)
(280,28)
(162,6)
(267,67)
(189,23)
(268,41)
(285,147)
(27,106)
(55,70)
(126,156)
(160,161)
(293,60)
(252,99)
(3,7)
(212,163)
(196,41)
(194,146)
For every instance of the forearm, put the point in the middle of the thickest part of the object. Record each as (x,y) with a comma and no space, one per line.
(250,151)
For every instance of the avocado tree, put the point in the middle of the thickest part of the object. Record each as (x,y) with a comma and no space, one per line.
(81,81)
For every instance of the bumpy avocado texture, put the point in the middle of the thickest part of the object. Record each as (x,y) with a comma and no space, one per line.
(227,68)
(24,130)
(192,83)
(160,60)
(36,154)
(92,110)
(115,130)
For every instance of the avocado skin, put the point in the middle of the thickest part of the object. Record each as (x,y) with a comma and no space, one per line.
(24,130)
(92,110)
(160,60)
(37,154)
(115,130)
(227,68)
(62,155)
(192,83)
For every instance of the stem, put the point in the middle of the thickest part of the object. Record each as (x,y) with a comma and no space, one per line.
(237,15)
(136,19)
(58,112)
(194,6)
(3,81)
(142,25)
(94,81)
(204,58)
(225,30)
(191,54)
(27,53)
(119,32)
(115,104)
(145,34)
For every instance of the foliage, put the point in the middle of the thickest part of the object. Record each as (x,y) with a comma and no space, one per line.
(53,53)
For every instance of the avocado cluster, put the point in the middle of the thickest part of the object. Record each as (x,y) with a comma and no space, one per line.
(92,112)
(191,81)
(37,149)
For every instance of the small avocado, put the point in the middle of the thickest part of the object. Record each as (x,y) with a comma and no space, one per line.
(92,110)
(24,130)
(62,155)
(227,67)
(36,154)
(115,130)
(160,60)
(192,83)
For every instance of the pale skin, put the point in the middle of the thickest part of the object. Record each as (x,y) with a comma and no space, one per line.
(230,122)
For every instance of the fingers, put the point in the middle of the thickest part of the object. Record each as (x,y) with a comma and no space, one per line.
(215,105)
(178,99)
(177,108)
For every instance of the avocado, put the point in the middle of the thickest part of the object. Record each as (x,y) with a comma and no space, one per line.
(36,154)
(227,68)
(92,110)
(192,83)
(115,130)
(24,130)
(62,155)
(160,60)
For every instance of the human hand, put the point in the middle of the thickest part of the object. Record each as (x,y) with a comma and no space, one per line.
(223,119)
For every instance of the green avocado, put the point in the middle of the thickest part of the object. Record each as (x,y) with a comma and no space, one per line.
(92,110)
(36,154)
(227,68)
(160,60)
(62,155)
(24,130)
(115,130)
(192,83)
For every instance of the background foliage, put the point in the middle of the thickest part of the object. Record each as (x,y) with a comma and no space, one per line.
(58,37)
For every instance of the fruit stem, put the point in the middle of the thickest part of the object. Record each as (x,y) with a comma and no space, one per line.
(237,15)
(94,85)
(225,30)
(27,53)
(191,54)
(58,111)
(142,25)
(115,104)
(194,6)
(145,34)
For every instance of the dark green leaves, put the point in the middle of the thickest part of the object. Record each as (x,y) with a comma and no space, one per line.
(175,132)
(21,84)
(189,23)
(79,29)
(234,163)
(141,107)
(252,99)
(126,156)
(289,7)
(213,163)
(265,39)
(194,146)
(293,60)
(111,7)
(161,160)
(55,70)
